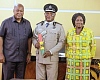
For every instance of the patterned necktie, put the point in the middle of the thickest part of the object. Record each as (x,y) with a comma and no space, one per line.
(47,24)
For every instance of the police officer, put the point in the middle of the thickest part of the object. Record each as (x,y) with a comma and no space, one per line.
(53,38)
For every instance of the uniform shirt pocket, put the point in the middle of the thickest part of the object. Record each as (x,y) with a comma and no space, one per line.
(53,35)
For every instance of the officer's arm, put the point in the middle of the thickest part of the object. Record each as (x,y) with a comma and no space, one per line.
(60,43)
(35,39)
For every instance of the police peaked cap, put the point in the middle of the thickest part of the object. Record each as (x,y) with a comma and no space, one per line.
(50,8)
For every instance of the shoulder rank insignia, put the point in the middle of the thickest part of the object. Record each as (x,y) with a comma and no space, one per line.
(54,23)
(40,23)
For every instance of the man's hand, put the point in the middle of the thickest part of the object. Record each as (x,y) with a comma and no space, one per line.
(2,58)
(46,54)
(28,58)
(37,45)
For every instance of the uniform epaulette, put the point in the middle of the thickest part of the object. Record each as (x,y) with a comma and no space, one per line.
(54,23)
(40,23)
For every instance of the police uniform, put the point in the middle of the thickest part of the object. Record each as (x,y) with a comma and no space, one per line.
(53,42)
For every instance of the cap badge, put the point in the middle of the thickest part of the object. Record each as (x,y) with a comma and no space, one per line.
(50,7)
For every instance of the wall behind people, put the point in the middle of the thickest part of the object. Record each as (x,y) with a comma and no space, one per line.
(34,13)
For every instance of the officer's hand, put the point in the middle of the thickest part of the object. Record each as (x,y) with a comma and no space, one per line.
(37,45)
(2,58)
(46,54)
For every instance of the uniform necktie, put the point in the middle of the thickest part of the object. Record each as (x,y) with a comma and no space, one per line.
(47,24)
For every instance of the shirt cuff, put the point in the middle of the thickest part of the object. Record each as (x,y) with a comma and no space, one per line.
(51,53)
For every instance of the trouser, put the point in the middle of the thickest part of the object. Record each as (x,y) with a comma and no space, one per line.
(46,70)
(9,68)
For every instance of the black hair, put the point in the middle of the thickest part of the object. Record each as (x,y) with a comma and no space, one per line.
(75,16)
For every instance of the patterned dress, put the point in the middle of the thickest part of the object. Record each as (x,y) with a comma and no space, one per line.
(79,50)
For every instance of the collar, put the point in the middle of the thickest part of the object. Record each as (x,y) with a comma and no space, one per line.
(81,33)
(48,22)
(14,20)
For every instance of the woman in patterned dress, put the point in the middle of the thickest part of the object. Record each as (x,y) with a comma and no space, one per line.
(80,49)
